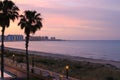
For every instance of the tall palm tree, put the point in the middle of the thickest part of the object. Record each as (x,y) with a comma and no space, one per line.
(8,11)
(30,22)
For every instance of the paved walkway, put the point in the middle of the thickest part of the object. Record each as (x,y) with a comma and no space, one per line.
(15,71)
(20,71)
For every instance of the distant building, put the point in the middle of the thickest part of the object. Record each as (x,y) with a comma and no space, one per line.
(46,38)
(4,38)
(14,38)
(38,38)
(53,38)
(32,38)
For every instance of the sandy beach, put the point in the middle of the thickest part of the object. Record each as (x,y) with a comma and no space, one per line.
(105,62)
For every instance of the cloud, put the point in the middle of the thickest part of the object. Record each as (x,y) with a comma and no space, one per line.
(90,16)
(84,13)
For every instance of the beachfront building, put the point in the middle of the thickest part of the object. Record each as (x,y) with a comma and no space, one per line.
(43,38)
(32,38)
(14,38)
(5,37)
(53,38)
(39,38)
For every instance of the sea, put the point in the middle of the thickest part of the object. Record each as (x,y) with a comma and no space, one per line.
(96,49)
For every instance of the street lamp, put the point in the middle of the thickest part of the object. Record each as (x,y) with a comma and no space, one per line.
(67,68)
(13,56)
(32,70)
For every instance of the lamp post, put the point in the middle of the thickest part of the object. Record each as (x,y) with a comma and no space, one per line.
(32,70)
(13,56)
(67,68)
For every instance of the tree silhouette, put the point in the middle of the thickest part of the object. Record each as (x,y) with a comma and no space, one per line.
(30,22)
(8,11)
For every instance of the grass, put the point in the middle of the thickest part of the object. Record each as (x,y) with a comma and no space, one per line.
(80,70)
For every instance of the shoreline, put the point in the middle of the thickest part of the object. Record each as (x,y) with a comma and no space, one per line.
(72,58)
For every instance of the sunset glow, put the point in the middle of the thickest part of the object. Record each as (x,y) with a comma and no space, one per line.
(74,19)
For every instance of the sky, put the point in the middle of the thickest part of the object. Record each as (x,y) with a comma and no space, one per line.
(74,19)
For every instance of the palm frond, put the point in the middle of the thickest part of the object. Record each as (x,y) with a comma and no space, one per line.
(15,8)
(8,4)
(30,22)
(9,11)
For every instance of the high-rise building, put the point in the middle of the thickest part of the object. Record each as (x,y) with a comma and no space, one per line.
(38,38)
(14,38)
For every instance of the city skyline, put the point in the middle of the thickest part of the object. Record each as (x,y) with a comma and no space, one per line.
(19,37)
(74,19)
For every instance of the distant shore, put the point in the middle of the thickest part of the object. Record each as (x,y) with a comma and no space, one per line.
(106,62)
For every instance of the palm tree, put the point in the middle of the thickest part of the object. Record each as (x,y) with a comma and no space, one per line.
(30,22)
(8,11)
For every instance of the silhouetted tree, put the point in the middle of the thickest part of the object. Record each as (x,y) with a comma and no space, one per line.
(30,22)
(8,11)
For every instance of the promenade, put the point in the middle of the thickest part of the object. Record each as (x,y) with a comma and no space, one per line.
(19,71)
(16,72)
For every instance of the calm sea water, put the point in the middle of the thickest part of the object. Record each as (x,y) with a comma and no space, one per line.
(97,49)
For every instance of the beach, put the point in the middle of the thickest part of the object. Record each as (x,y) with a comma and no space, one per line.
(95,49)
(61,56)
(80,67)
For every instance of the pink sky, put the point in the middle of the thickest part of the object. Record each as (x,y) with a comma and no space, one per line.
(74,19)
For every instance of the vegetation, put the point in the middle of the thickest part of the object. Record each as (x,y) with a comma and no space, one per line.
(30,22)
(80,70)
(8,11)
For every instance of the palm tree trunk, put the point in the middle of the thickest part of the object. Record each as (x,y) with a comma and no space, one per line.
(2,54)
(27,56)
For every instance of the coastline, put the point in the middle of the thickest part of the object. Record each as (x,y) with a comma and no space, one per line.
(72,58)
